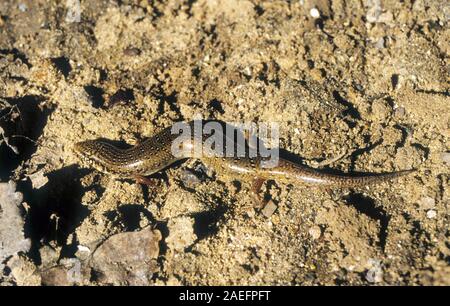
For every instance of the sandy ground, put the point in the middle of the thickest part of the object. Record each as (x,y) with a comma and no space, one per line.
(126,69)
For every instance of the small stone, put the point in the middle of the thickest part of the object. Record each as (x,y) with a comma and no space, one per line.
(314,12)
(375,273)
(12,237)
(189,179)
(68,273)
(181,233)
(386,17)
(23,7)
(180,202)
(24,271)
(315,232)
(328,203)
(381,109)
(380,43)
(269,209)
(38,179)
(445,156)
(127,258)
(427,203)
(247,71)
(83,252)
(431,214)
(317,74)
(400,112)
(373,11)
(49,255)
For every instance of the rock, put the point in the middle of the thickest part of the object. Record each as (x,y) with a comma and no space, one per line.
(68,273)
(22,7)
(83,252)
(180,202)
(269,209)
(427,203)
(314,12)
(23,271)
(181,233)
(49,255)
(386,17)
(431,214)
(400,112)
(189,179)
(380,43)
(374,10)
(445,156)
(12,238)
(381,110)
(127,258)
(375,273)
(315,232)
(38,179)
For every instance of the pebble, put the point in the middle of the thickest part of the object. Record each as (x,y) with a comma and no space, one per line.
(315,232)
(445,156)
(23,271)
(431,214)
(373,11)
(181,233)
(127,258)
(82,252)
(400,111)
(375,273)
(269,209)
(386,17)
(427,203)
(38,179)
(247,71)
(380,43)
(314,12)
(189,179)
(23,7)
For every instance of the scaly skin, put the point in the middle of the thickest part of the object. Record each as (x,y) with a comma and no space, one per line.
(155,154)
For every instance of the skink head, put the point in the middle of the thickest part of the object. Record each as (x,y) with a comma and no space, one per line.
(86,148)
(101,156)
(91,153)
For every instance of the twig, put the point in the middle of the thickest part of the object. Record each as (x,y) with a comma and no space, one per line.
(6,141)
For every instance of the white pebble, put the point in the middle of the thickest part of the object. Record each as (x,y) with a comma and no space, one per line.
(314,13)
(315,232)
(427,203)
(269,209)
(23,7)
(445,156)
(375,273)
(38,179)
(380,43)
(431,214)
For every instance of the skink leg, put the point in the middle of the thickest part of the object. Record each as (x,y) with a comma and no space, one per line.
(256,187)
(145,180)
